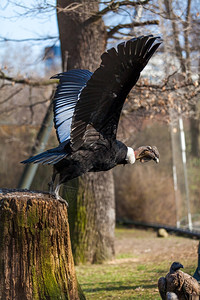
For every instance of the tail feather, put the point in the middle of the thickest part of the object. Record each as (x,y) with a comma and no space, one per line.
(48,157)
(45,158)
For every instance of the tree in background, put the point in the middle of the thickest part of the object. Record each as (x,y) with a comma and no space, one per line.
(184,32)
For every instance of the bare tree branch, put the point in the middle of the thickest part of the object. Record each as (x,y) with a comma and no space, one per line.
(186,38)
(19,106)
(70,7)
(4,39)
(39,8)
(164,86)
(113,6)
(177,45)
(33,9)
(116,29)
(11,96)
(27,81)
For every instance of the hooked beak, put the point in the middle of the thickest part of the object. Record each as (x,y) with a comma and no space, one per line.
(147,153)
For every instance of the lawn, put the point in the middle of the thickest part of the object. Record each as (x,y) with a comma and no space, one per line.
(141,258)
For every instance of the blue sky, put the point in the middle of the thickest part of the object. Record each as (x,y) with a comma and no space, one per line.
(15,24)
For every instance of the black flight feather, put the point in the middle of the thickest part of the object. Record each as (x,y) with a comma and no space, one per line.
(103,96)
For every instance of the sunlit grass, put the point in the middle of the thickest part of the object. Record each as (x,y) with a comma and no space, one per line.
(128,276)
(119,281)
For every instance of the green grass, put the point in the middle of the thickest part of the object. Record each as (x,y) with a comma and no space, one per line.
(130,275)
(122,280)
(119,281)
(124,255)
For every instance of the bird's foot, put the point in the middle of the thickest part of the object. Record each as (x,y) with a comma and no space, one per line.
(61,200)
(58,197)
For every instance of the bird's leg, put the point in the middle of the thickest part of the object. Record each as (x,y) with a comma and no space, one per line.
(55,192)
(57,196)
(51,183)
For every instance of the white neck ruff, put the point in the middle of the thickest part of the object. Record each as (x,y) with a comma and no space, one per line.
(130,156)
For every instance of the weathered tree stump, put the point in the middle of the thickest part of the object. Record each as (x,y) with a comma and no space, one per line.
(35,250)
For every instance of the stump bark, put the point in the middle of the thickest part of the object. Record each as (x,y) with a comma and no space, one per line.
(35,250)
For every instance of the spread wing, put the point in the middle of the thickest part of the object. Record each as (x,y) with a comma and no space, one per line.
(66,97)
(102,99)
(88,105)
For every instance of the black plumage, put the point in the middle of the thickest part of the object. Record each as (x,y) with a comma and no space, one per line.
(87,109)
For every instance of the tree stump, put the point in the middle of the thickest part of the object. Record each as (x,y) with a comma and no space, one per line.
(35,250)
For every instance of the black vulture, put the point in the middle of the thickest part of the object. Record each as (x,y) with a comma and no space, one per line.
(87,109)
(177,282)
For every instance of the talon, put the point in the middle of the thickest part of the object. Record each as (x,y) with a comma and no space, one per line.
(61,200)
(58,197)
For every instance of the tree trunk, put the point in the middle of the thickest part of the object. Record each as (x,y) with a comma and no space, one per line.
(194,131)
(93,218)
(35,251)
(81,44)
(175,34)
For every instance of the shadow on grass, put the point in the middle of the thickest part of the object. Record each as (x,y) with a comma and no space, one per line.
(118,286)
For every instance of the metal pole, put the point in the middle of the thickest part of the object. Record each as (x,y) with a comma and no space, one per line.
(172,128)
(41,141)
(171,112)
(176,197)
(183,150)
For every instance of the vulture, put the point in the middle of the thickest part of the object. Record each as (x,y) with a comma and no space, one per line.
(87,109)
(178,285)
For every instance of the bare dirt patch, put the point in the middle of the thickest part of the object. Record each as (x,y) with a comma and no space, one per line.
(147,247)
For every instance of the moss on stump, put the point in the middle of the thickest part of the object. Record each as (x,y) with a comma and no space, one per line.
(35,251)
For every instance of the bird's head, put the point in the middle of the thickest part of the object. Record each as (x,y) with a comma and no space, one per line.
(175,266)
(147,153)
